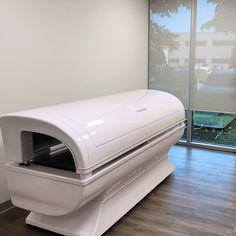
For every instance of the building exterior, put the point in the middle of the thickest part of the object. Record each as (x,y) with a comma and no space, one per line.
(213,50)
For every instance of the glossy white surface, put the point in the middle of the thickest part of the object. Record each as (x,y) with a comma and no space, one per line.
(96,130)
(96,217)
(35,187)
(133,131)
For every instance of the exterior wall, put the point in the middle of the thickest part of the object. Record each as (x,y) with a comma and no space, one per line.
(208,52)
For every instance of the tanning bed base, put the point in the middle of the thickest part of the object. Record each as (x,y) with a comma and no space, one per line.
(95,218)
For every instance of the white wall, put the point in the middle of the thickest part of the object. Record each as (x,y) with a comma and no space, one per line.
(53,51)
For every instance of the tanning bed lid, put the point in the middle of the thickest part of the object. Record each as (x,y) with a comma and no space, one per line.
(95,130)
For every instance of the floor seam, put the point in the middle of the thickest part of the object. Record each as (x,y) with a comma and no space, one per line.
(6,210)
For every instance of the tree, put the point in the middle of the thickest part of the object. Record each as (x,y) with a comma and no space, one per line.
(161,38)
(224,15)
(223,21)
(167,7)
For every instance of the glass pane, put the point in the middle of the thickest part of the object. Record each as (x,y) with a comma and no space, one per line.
(215,57)
(184,137)
(214,128)
(169,47)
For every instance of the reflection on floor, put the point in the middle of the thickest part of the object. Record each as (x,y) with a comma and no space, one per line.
(199,198)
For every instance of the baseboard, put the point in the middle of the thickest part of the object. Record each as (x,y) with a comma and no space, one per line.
(5,206)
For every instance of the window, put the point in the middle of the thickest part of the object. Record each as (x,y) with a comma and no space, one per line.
(217,43)
(187,43)
(220,60)
(198,43)
(214,128)
(197,60)
(211,103)
(200,60)
(177,43)
(201,43)
(214,86)
(167,70)
(174,60)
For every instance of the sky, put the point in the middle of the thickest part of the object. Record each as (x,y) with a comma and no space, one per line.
(180,22)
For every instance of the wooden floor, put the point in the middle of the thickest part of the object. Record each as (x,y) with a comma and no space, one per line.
(199,198)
